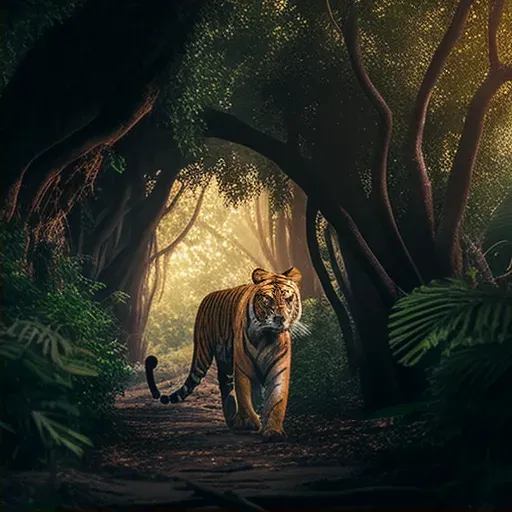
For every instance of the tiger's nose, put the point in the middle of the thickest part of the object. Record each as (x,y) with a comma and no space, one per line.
(279,320)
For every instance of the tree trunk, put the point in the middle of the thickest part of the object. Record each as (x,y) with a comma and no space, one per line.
(125,219)
(300,255)
(337,305)
(378,378)
(281,242)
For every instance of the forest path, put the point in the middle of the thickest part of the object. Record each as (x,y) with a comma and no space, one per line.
(191,439)
(159,446)
(164,444)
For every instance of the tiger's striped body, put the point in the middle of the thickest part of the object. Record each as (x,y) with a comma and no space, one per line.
(247,330)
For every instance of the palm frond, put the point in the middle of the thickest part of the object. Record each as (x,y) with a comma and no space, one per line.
(52,431)
(448,314)
(475,371)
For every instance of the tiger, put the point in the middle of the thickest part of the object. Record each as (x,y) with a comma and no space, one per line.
(248,330)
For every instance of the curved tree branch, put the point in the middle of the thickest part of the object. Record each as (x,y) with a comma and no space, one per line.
(379,194)
(477,255)
(228,127)
(106,128)
(350,332)
(495,11)
(449,40)
(174,201)
(172,246)
(448,239)
(341,279)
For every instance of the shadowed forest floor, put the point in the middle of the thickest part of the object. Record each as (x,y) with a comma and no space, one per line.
(158,446)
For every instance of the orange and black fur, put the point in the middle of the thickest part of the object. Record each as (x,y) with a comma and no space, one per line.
(248,331)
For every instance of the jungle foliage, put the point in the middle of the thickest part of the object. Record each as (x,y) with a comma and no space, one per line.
(62,354)
(349,105)
(461,329)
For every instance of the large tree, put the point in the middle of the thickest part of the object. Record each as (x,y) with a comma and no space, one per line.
(384,257)
(83,85)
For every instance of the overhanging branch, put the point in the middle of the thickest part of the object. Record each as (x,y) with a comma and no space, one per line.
(226,126)
(172,246)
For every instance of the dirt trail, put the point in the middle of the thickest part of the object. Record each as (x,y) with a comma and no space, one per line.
(191,439)
(160,445)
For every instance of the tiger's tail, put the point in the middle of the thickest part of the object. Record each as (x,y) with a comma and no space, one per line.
(197,372)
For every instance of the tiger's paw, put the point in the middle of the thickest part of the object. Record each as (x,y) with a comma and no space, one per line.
(274,435)
(229,408)
(246,424)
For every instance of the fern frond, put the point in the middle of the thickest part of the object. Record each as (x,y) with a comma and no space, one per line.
(29,332)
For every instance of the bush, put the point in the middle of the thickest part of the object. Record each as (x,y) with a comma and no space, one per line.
(58,297)
(319,375)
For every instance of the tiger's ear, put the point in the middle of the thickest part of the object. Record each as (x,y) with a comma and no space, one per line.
(293,274)
(259,275)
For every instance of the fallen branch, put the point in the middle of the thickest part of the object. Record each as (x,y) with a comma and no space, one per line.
(228,498)
(357,499)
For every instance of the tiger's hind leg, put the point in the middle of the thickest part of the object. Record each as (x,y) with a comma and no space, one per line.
(227,392)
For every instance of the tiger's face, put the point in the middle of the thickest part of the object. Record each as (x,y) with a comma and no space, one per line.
(276,305)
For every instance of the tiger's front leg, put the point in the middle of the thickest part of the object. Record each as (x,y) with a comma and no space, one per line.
(277,384)
(246,417)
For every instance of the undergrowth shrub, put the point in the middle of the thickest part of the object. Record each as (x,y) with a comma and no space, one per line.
(319,374)
(63,302)
(38,416)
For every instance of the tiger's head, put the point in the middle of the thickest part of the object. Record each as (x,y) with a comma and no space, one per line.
(276,304)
